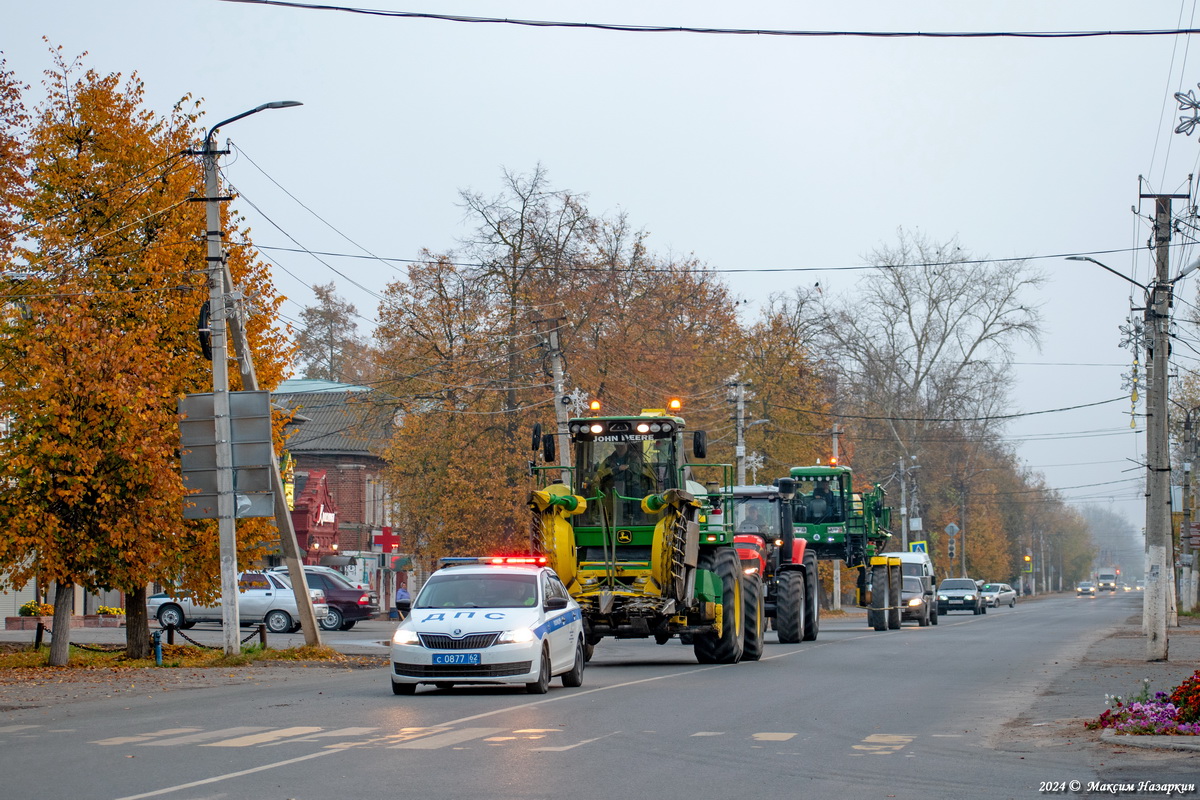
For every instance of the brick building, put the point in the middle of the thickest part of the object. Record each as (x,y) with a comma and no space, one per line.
(337,438)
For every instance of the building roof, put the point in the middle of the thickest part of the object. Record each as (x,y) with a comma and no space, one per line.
(338,418)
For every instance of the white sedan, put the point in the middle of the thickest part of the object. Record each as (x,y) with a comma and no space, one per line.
(489,620)
(265,597)
(998,594)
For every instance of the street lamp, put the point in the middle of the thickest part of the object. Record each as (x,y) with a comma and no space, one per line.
(226,526)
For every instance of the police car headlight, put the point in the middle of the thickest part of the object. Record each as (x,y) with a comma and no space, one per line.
(405,636)
(516,636)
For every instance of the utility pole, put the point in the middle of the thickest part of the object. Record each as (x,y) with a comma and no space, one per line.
(1186,598)
(561,401)
(903,507)
(1158,466)
(740,452)
(836,605)
(223,451)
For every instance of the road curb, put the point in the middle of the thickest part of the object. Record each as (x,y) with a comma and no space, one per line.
(1151,742)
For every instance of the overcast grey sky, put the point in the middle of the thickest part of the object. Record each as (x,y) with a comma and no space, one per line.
(751,152)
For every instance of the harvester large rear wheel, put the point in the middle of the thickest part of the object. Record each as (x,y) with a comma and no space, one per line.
(877,615)
(812,603)
(726,648)
(755,625)
(894,594)
(789,607)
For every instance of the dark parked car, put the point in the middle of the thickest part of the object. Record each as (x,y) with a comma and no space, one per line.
(960,594)
(347,603)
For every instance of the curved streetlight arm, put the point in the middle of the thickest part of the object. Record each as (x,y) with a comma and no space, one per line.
(274,104)
(1120,275)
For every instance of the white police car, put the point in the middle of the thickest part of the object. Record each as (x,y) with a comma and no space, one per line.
(502,619)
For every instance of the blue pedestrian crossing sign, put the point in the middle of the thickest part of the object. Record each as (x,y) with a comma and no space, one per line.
(917,547)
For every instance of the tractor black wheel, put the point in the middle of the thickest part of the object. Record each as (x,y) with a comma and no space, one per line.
(877,615)
(895,584)
(752,599)
(812,604)
(789,607)
(725,648)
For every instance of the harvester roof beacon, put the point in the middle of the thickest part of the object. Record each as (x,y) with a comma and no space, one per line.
(634,541)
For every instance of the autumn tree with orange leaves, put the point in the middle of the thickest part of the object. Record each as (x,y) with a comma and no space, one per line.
(99,344)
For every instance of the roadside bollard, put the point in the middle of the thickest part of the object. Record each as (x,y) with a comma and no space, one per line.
(158,648)
(171,634)
(262,635)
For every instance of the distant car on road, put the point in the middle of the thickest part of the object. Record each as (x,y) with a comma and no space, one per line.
(999,594)
(960,594)
(1085,589)
(262,597)
(913,602)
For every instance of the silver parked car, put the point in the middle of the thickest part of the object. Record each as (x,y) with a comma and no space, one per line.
(999,594)
(263,597)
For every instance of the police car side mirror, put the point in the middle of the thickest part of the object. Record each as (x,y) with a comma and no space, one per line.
(404,605)
(555,603)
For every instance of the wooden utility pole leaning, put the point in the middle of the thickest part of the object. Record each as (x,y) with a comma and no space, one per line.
(561,417)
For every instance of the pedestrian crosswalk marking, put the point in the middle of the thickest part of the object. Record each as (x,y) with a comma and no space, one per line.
(145,736)
(204,736)
(882,744)
(445,739)
(263,738)
(337,732)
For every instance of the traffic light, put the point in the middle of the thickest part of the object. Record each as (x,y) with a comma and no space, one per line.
(1028,563)
(950,549)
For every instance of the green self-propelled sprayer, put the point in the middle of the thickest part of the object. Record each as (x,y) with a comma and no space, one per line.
(633,539)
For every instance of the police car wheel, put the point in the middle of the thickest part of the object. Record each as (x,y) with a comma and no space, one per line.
(575,676)
(542,684)
(404,688)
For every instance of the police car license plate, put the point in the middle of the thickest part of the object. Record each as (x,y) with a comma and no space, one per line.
(456,658)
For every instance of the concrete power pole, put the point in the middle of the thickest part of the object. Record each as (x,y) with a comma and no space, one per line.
(1158,467)
(223,452)
(740,452)
(562,418)
(836,605)
(1186,600)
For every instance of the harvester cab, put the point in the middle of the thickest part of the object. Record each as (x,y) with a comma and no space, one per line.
(634,537)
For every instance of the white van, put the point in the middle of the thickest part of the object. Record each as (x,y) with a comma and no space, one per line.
(919,565)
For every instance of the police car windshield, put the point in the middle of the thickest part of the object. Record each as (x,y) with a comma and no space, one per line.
(448,590)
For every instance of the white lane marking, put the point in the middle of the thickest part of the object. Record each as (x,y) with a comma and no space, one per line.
(709,733)
(570,746)
(144,736)
(228,775)
(772,737)
(204,736)
(447,739)
(12,728)
(263,738)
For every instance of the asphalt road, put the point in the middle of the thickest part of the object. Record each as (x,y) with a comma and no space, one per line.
(976,707)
